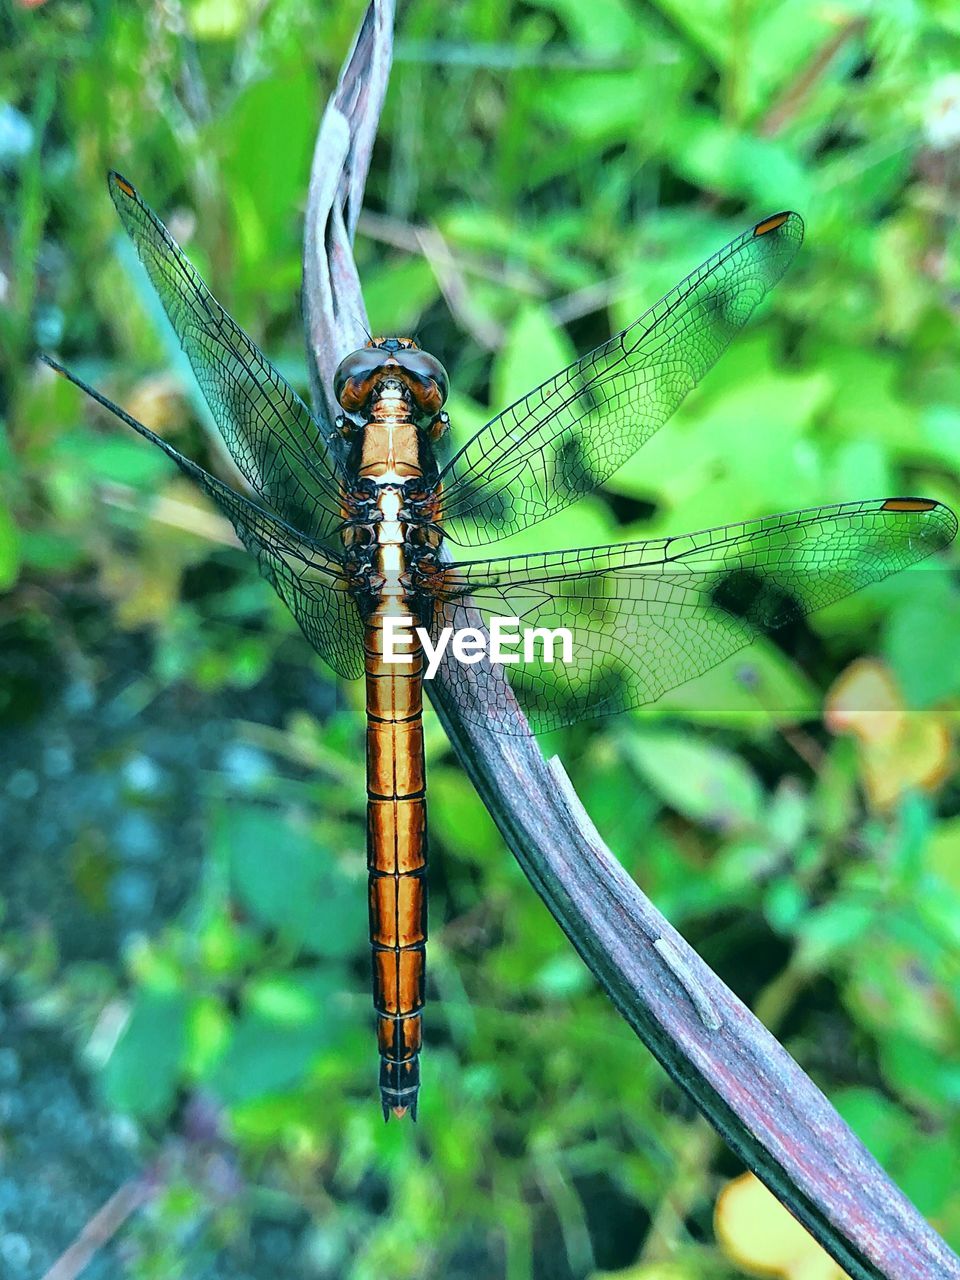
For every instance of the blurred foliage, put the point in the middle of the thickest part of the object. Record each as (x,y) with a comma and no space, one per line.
(183,877)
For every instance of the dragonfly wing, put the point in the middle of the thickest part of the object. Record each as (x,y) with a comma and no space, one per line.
(573,431)
(274,439)
(307,577)
(646,616)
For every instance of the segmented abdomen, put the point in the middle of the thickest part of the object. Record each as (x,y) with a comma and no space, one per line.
(397,860)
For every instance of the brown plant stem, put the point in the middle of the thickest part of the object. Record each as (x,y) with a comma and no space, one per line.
(100,1230)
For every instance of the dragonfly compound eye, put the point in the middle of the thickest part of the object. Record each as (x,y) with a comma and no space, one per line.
(356,376)
(426,379)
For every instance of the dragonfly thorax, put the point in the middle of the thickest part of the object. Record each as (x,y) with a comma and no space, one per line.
(390,443)
(394,508)
(389,403)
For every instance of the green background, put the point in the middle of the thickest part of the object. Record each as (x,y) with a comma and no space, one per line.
(183,964)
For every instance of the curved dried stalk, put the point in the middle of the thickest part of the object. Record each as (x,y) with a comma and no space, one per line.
(758,1099)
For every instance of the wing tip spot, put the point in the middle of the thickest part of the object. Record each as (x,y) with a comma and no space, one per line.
(909,504)
(772,223)
(120,181)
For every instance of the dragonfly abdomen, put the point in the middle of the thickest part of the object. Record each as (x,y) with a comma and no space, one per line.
(396,861)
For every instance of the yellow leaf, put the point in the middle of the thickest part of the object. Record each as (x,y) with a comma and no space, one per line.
(158,403)
(919,756)
(218,19)
(899,749)
(816,1266)
(649,1271)
(757,1233)
(865,702)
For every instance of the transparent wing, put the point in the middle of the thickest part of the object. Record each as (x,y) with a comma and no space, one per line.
(274,439)
(307,577)
(574,430)
(647,616)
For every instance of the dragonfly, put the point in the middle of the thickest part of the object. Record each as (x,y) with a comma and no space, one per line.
(349,518)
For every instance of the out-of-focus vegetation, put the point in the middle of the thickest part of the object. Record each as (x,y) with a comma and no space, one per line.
(183,965)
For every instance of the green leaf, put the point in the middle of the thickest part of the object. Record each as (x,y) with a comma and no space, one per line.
(705,24)
(921,1074)
(703,782)
(288,1024)
(142,1073)
(118,457)
(607,26)
(266,139)
(9,549)
(601,109)
(787,816)
(563,976)
(398,295)
(878,1122)
(943,854)
(288,882)
(47,550)
(928,1173)
(719,158)
(922,640)
(838,926)
(785,904)
(535,349)
(459,817)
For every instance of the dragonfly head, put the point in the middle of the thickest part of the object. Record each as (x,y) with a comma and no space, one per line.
(360,375)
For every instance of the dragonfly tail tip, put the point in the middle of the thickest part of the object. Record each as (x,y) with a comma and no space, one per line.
(399,1109)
